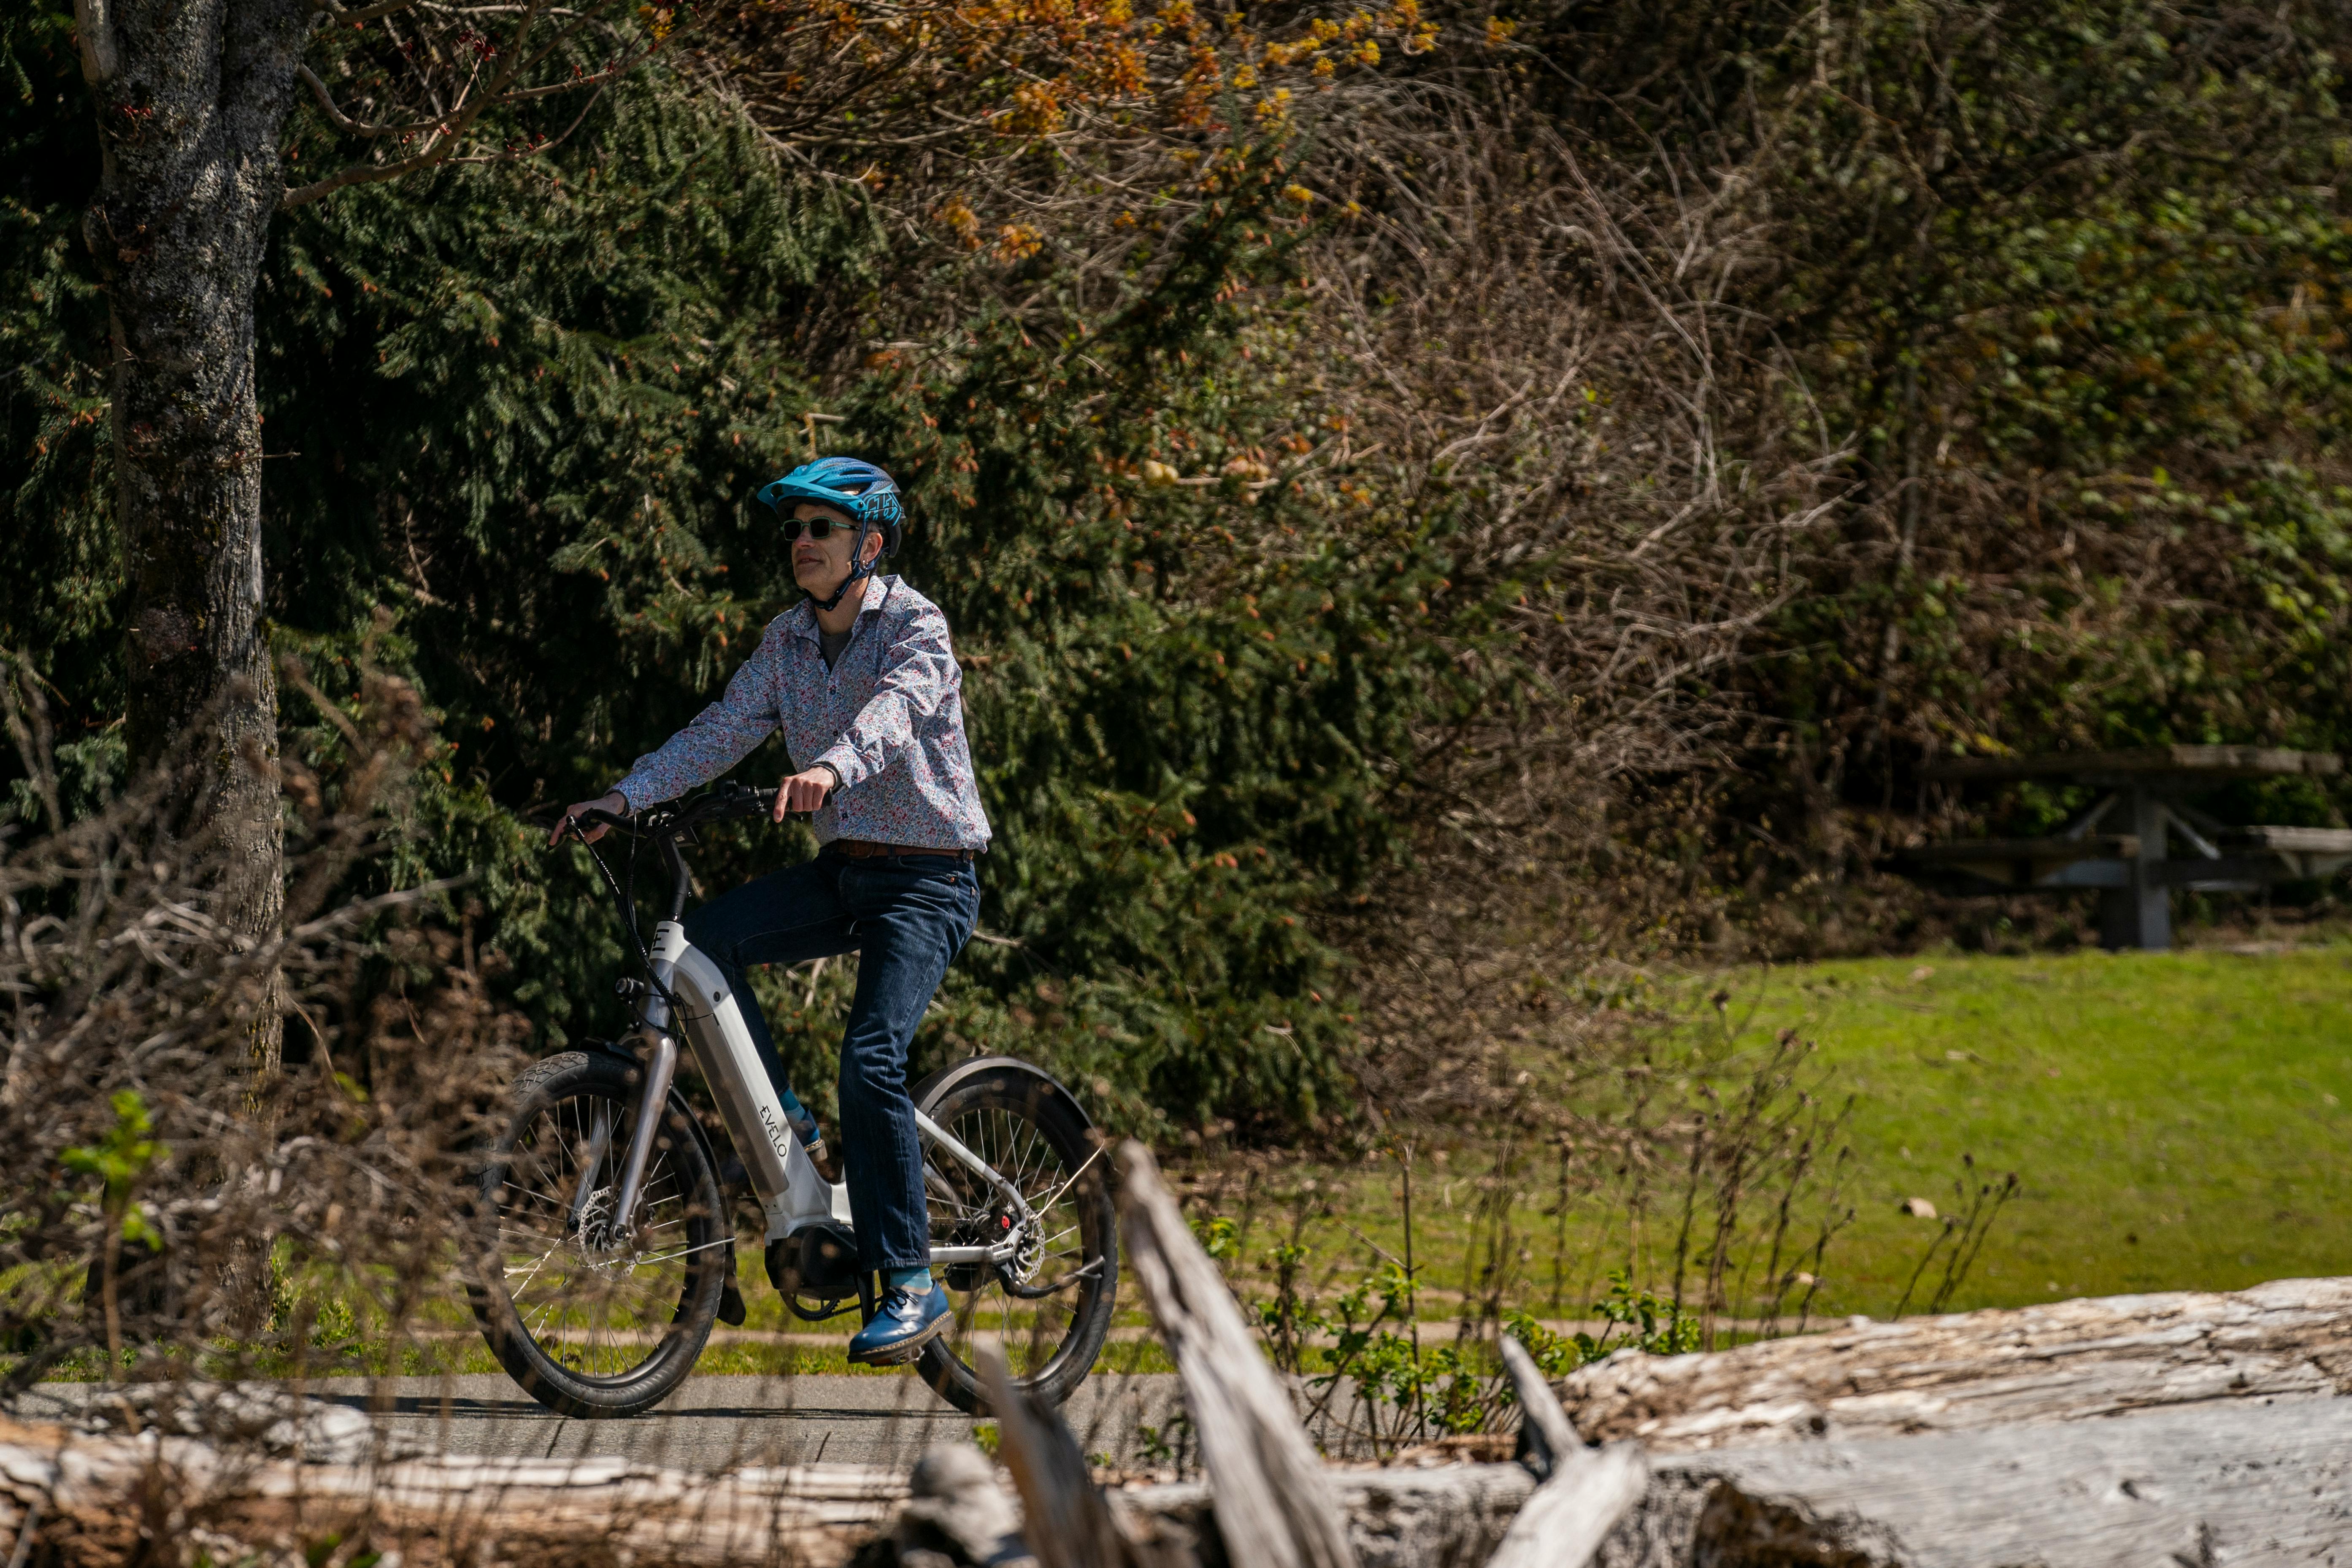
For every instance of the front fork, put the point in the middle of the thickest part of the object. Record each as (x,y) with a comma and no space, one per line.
(657,1051)
(653,1099)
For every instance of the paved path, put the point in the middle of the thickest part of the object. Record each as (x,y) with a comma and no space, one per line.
(709,1422)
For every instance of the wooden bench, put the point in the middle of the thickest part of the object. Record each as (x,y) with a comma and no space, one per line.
(2144,811)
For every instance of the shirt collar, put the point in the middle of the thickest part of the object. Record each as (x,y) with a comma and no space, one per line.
(878,589)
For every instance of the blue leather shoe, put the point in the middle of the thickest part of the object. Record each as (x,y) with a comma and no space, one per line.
(904,1323)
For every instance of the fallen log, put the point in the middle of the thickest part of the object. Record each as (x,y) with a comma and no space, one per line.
(2263,1482)
(1451,1516)
(1275,1507)
(2068,1360)
(2251,1482)
(92,1500)
(1067,1520)
(109,1499)
(1584,1493)
(1955,1442)
(2184,1427)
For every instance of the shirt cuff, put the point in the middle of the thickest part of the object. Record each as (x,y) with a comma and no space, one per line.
(844,764)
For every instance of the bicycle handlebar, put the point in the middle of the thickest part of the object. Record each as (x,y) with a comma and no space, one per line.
(722,805)
(664,825)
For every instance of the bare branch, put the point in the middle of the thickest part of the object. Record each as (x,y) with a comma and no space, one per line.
(357,14)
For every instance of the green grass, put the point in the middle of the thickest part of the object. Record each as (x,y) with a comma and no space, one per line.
(2179,1122)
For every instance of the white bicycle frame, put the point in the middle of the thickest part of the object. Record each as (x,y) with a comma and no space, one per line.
(792,1195)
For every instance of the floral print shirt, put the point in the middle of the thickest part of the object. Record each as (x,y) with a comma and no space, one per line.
(888,718)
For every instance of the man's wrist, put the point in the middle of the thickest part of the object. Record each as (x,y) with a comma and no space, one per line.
(829,768)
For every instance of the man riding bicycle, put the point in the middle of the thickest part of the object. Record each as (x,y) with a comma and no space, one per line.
(863,681)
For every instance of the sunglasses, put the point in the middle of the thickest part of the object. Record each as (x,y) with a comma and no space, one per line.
(819,528)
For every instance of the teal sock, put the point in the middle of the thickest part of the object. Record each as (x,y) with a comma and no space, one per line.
(798,1115)
(918,1281)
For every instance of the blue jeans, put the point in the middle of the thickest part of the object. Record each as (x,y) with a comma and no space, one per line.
(906,917)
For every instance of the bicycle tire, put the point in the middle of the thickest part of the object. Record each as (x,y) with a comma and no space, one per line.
(1011,1114)
(539,1340)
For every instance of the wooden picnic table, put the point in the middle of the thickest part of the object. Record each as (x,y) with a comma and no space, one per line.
(2123,844)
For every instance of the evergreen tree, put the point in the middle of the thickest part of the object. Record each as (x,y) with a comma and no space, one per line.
(516,416)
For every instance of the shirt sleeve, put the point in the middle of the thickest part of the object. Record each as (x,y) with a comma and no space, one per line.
(919,679)
(719,737)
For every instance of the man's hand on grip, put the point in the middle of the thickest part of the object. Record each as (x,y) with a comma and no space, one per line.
(802,792)
(611,801)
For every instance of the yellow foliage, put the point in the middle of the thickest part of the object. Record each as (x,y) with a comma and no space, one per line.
(957,214)
(1018,242)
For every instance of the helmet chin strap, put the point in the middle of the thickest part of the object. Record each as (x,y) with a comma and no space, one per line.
(860,568)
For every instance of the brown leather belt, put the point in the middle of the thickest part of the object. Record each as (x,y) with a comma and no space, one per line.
(866,850)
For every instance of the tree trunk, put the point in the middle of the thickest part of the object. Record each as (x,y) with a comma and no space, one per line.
(192,96)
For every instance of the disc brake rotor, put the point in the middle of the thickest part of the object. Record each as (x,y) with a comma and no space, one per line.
(601,1244)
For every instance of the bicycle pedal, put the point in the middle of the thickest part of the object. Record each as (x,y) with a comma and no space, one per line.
(899,1354)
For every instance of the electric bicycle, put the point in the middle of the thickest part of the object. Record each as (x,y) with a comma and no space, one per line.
(605,1239)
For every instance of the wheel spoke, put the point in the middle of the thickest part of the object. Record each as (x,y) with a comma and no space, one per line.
(598,1310)
(1015,1143)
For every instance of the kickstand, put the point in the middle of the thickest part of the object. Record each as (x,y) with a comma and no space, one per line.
(731,1299)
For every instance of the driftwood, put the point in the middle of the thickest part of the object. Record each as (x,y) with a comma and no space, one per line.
(1584,1493)
(1068,1522)
(1972,1370)
(2266,1482)
(956,1511)
(86,1497)
(1451,1516)
(1954,1442)
(2263,1482)
(91,1499)
(2179,1428)
(1275,1506)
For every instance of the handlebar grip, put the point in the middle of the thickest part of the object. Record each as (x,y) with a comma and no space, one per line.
(572,823)
(726,806)
(718,807)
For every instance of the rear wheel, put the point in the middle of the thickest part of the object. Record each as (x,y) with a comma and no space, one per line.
(589,1317)
(1050,1306)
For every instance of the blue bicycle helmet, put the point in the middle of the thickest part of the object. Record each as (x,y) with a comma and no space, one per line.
(855,487)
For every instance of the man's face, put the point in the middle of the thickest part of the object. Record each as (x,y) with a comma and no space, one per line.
(819,565)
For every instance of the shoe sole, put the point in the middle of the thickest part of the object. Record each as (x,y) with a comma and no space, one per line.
(902,1352)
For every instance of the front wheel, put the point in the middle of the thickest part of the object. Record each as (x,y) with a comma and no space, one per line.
(590,1316)
(1049,1309)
